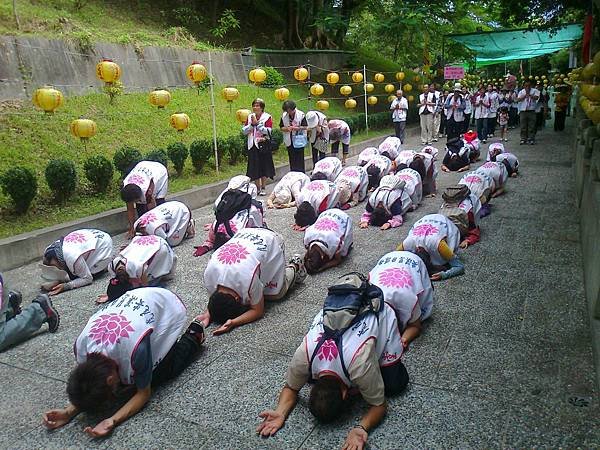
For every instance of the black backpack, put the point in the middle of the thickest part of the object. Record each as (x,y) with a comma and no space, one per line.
(346,304)
(232,202)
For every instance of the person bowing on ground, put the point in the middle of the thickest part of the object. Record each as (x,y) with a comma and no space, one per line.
(326,169)
(435,239)
(245,272)
(144,187)
(171,221)
(387,204)
(316,197)
(357,180)
(328,241)
(287,190)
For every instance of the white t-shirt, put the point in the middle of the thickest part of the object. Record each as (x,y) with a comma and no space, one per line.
(431,150)
(143,173)
(357,179)
(405,157)
(332,232)
(251,263)
(510,158)
(403,278)
(399,115)
(392,146)
(382,163)
(497,171)
(92,247)
(528,103)
(479,183)
(149,255)
(290,185)
(389,191)
(414,185)
(330,167)
(169,221)
(321,194)
(428,232)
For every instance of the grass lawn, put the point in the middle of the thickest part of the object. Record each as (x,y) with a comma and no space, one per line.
(29,137)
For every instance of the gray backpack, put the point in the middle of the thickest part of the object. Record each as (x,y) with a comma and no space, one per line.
(453,196)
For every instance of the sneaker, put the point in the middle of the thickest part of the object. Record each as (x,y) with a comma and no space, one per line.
(300,269)
(531,142)
(52,316)
(522,142)
(196,329)
(14,300)
(505,139)
(484,141)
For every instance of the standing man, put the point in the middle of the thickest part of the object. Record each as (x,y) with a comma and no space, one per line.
(527,99)
(494,105)
(482,110)
(399,108)
(454,109)
(426,107)
(468,109)
(293,126)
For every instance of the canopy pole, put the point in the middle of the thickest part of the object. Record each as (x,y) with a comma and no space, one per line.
(365,90)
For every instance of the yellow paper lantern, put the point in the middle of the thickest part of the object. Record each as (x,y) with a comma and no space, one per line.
(357,77)
(108,71)
(407,87)
(48,99)
(369,87)
(83,128)
(379,77)
(242,115)
(323,105)
(196,72)
(251,75)
(411,98)
(180,121)
(160,98)
(301,73)
(282,94)
(259,76)
(332,78)
(230,94)
(400,76)
(316,90)
(350,103)
(346,90)
(391,98)
(389,88)
(372,100)
(537,78)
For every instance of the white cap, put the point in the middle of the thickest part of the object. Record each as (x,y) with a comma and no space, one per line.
(457,87)
(312,119)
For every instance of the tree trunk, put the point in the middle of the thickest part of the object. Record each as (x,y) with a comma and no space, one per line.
(293,35)
(14,5)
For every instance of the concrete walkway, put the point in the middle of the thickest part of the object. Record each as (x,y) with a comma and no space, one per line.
(505,362)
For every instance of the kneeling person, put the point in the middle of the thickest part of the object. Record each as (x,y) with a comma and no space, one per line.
(357,181)
(245,272)
(314,198)
(73,261)
(327,241)
(435,239)
(287,190)
(387,204)
(327,169)
(171,221)
(366,357)
(132,341)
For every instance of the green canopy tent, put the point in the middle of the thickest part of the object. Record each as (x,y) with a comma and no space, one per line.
(492,47)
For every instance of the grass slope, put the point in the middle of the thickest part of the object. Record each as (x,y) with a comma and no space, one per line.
(29,137)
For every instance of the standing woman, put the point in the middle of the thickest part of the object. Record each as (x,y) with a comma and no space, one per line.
(293,126)
(260,159)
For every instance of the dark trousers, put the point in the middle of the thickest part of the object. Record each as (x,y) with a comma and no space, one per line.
(316,155)
(540,120)
(482,130)
(559,120)
(335,148)
(466,123)
(399,128)
(296,158)
(179,357)
(513,114)
(491,125)
(527,119)
(443,124)
(453,128)
(395,378)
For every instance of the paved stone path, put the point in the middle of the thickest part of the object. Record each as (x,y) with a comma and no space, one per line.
(504,362)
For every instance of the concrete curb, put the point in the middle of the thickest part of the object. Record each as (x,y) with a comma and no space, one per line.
(24,248)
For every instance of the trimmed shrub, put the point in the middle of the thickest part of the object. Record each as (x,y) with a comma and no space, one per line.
(235,148)
(274,77)
(61,177)
(126,158)
(99,172)
(178,153)
(200,152)
(277,136)
(20,184)
(158,155)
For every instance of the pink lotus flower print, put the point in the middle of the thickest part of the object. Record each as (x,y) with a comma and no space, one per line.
(75,236)
(232,253)
(326,224)
(316,187)
(405,177)
(395,277)
(109,328)
(425,229)
(147,218)
(328,350)
(136,179)
(350,173)
(489,165)
(323,166)
(473,179)
(145,240)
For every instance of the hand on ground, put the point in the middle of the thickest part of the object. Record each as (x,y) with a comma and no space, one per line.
(364,225)
(436,276)
(298,228)
(55,418)
(386,226)
(204,318)
(356,439)
(102,298)
(102,429)
(272,423)
(225,328)
(57,289)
